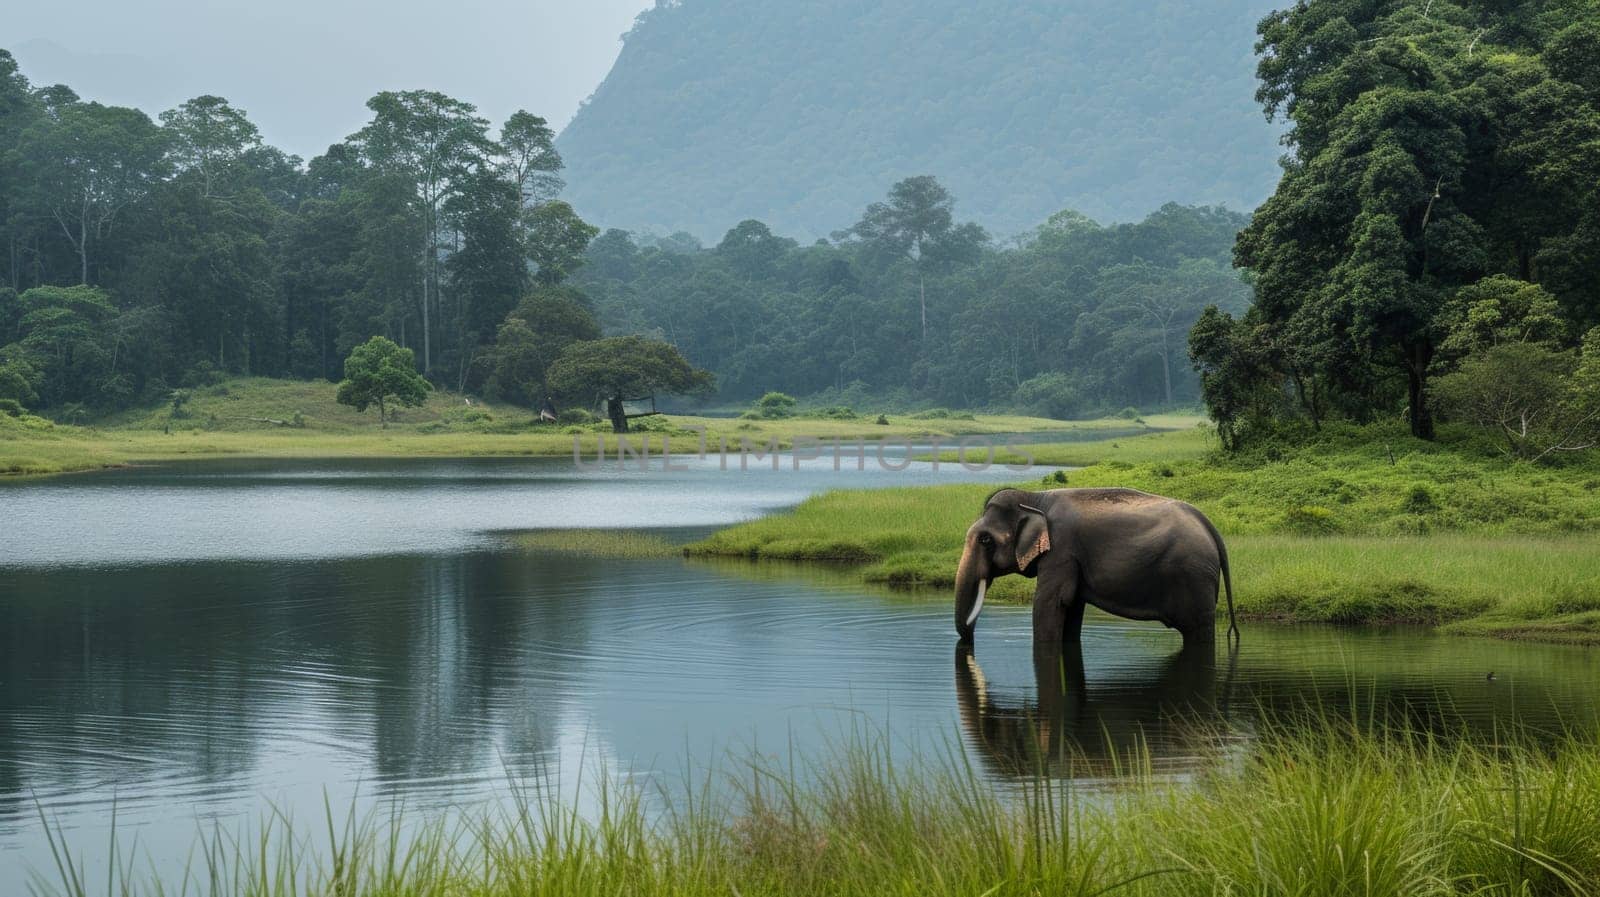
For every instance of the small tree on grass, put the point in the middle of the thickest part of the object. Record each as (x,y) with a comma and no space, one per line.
(620,367)
(379,372)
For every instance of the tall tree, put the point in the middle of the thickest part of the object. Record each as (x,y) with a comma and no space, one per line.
(917,218)
(556,241)
(18,110)
(490,271)
(208,137)
(84,164)
(528,148)
(433,141)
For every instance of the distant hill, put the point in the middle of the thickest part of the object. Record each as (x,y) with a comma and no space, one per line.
(800,112)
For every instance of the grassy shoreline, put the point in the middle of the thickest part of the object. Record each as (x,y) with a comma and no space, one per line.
(1360,526)
(1309,810)
(237,418)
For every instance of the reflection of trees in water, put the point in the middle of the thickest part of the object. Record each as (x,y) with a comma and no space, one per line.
(170,674)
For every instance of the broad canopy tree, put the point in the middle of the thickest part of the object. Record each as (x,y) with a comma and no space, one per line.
(622,367)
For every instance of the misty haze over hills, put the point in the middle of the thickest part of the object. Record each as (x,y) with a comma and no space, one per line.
(800,113)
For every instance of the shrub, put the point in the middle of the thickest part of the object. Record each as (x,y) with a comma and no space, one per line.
(1577,597)
(1129,413)
(176,401)
(836,412)
(1419,500)
(1528,395)
(942,414)
(1052,394)
(574,416)
(204,373)
(776,405)
(882,421)
(11,408)
(1310,519)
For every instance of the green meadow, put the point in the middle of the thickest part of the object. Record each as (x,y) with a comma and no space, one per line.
(259,417)
(1358,525)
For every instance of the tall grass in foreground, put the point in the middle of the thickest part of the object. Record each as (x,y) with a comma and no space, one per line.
(1338,808)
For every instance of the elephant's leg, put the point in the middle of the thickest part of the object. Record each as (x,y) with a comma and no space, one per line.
(1072,625)
(1197,616)
(1057,611)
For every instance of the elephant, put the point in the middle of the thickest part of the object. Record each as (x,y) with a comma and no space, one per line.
(1129,553)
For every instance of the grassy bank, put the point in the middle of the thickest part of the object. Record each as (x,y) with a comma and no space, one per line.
(279,418)
(1359,526)
(1335,810)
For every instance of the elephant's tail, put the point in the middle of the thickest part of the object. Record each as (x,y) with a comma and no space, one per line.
(1227,583)
(1227,575)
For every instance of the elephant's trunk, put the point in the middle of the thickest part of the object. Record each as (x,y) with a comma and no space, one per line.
(971,584)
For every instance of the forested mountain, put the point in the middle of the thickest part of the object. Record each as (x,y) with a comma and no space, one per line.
(799,113)
(143,256)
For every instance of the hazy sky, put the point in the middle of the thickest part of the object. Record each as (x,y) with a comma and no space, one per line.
(304,68)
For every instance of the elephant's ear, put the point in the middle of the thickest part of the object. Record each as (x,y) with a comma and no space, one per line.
(1033,536)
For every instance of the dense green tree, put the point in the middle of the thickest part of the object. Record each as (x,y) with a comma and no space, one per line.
(1525,394)
(752,251)
(18,109)
(432,141)
(63,336)
(531,162)
(556,241)
(917,222)
(622,367)
(378,372)
(209,139)
(1430,149)
(318,261)
(490,270)
(1241,389)
(533,336)
(83,165)
(19,380)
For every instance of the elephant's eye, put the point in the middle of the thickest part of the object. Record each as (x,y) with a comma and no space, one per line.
(985,538)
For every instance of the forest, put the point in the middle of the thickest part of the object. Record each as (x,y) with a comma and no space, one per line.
(145,256)
(1433,249)
(1431,253)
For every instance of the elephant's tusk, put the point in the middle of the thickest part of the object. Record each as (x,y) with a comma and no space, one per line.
(977,608)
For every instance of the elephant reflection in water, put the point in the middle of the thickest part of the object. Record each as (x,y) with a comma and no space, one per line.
(1066,728)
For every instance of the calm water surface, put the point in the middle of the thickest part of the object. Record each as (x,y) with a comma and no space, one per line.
(197,643)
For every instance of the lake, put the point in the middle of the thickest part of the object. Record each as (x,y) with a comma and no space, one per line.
(197,644)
